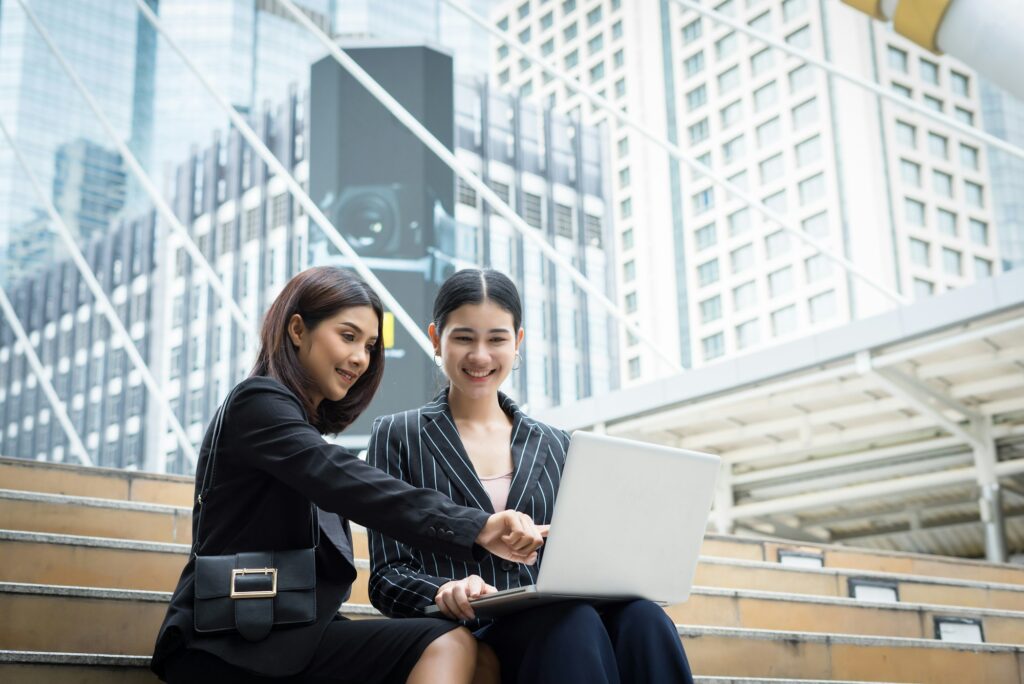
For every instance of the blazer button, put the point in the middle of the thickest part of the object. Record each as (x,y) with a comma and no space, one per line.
(431,531)
(449,533)
(508,566)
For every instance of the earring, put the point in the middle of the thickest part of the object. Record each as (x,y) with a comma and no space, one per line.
(437,360)
(518,362)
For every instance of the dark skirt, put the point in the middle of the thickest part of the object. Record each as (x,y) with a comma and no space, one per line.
(356,651)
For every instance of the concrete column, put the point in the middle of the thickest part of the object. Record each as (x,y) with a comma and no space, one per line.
(990,501)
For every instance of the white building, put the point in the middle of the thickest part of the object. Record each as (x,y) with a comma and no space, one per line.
(905,198)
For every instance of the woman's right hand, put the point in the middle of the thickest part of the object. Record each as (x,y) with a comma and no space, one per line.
(453,597)
(513,536)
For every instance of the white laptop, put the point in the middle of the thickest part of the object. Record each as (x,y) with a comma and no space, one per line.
(628,523)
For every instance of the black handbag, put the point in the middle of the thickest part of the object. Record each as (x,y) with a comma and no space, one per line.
(251,592)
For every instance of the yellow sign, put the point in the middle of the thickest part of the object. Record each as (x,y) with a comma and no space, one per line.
(389,330)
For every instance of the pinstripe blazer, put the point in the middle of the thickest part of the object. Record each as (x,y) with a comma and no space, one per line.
(423,448)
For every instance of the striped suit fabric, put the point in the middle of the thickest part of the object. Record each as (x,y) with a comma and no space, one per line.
(423,447)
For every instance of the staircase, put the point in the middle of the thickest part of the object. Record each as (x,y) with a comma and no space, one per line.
(88,558)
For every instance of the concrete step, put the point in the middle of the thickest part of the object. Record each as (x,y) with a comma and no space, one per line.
(749,653)
(101,483)
(92,517)
(46,617)
(721,654)
(74,668)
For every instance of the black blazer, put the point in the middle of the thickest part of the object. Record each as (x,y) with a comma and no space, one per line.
(423,448)
(271,463)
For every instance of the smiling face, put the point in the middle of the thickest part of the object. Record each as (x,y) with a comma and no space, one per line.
(478,347)
(337,350)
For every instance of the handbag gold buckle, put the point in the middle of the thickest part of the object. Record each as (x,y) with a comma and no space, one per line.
(238,594)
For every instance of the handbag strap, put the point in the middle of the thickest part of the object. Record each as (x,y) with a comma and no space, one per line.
(208,472)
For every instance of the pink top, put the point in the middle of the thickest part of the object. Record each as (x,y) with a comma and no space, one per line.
(497,488)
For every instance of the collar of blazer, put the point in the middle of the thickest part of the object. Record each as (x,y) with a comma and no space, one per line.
(530,450)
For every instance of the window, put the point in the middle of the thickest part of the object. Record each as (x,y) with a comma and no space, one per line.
(711,309)
(597,72)
(979,232)
(897,59)
(762,22)
(733,149)
(929,72)
(714,346)
(934,103)
(727,8)
(780,282)
(568,6)
(706,236)
(747,334)
(784,320)
(765,96)
(726,46)
(732,113)
(793,8)
(570,32)
(634,368)
(906,134)
(910,173)
(692,31)
(707,272)
(952,262)
(808,151)
(696,97)
(503,24)
(938,145)
(618,59)
(739,222)
(627,239)
(729,79)
(525,35)
(817,267)
(960,83)
(694,64)
(547,21)
(913,212)
(947,223)
(761,61)
(776,201)
(623,146)
(547,47)
(617,30)
(523,10)
(704,200)
(969,156)
(744,296)
(503,77)
(624,178)
(466,194)
(532,210)
(772,169)
(631,302)
(776,244)
(974,195)
(805,114)
(812,189)
(699,131)
(740,180)
(982,268)
(920,252)
(823,306)
(923,288)
(964,116)
(902,90)
(620,88)
(800,78)
(742,258)
(563,220)
(594,16)
(801,38)
(595,44)
(769,132)
(626,208)
(816,226)
(942,183)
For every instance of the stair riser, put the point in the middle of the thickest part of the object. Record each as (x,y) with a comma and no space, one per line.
(123,486)
(74,674)
(65,564)
(93,521)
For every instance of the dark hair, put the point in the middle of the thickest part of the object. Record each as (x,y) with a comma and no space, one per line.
(316,294)
(474,286)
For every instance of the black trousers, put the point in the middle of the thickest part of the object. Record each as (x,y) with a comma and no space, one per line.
(350,652)
(564,643)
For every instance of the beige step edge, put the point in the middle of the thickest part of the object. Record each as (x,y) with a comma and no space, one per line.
(365,609)
(92,502)
(364,564)
(94,470)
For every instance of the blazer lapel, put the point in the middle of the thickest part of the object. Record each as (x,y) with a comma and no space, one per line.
(443,441)
(529,454)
